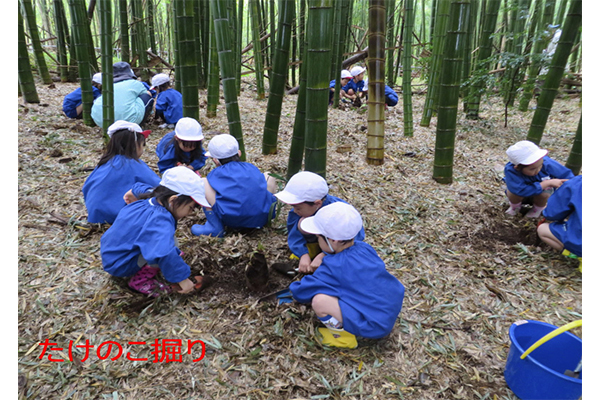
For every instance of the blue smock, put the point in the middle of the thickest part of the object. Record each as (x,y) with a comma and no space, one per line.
(369,296)
(103,190)
(356,86)
(242,198)
(297,240)
(565,207)
(144,228)
(128,105)
(170,103)
(391,97)
(165,151)
(526,186)
(73,100)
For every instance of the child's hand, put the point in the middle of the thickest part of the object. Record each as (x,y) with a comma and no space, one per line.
(129,197)
(555,183)
(304,265)
(316,262)
(186,286)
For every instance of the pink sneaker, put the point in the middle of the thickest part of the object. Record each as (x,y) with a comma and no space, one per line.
(143,281)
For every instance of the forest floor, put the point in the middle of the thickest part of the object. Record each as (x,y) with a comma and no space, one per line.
(469,270)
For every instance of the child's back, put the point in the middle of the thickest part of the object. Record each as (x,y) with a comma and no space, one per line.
(169,102)
(118,171)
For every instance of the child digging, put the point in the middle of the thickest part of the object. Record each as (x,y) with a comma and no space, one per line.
(306,192)
(183,146)
(141,242)
(351,293)
(531,175)
(119,169)
(169,102)
(240,197)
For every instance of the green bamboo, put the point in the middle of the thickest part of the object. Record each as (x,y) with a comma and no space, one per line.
(79,22)
(258,55)
(38,52)
(318,58)
(213,91)
(336,60)
(139,38)
(469,45)
(188,69)
(108,109)
(439,37)
(278,76)
(124,31)
(574,161)
(391,41)
(514,72)
(409,16)
(227,68)
(449,91)
(26,80)
(532,50)
(376,67)
(298,135)
(61,40)
(555,73)
(237,55)
(485,51)
(151,27)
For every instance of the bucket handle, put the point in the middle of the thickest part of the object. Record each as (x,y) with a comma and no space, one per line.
(556,332)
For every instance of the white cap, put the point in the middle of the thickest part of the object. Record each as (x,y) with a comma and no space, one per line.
(122,124)
(303,186)
(337,221)
(97,78)
(188,129)
(346,74)
(159,79)
(184,181)
(223,146)
(525,153)
(355,71)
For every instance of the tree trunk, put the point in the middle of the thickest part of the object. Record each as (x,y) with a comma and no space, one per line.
(187,58)
(376,62)
(61,40)
(124,31)
(409,16)
(318,60)
(449,91)
(439,37)
(485,51)
(80,24)
(34,35)
(227,67)
(555,72)
(108,108)
(278,76)
(575,157)
(257,50)
(26,81)
(213,92)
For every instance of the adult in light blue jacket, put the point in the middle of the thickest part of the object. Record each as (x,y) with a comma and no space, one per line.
(132,101)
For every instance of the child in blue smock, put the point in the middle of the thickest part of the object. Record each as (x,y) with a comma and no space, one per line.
(240,196)
(132,100)
(565,210)
(169,102)
(531,174)
(391,97)
(355,86)
(344,79)
(307,193)
(141,242)
(72,103)
(351,293)
(118,170)
(183,146)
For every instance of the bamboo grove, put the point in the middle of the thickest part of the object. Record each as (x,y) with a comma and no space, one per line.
(460,51)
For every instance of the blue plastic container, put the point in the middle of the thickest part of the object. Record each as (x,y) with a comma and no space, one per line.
(541,375)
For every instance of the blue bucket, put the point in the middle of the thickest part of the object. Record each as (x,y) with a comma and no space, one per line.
(541,375)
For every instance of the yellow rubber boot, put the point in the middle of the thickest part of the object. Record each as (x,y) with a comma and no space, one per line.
(338,338)
(567,253)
